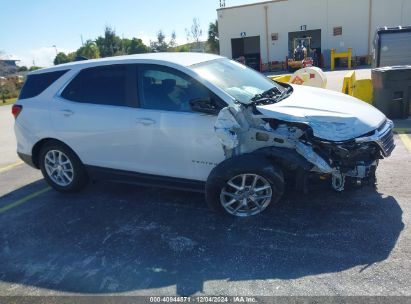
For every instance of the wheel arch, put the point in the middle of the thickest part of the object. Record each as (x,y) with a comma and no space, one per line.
(287,159)
(240,159)
(37,148)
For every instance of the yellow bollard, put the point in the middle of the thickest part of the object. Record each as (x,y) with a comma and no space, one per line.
(363,90)
(335,55)
(282,78)
(348,84)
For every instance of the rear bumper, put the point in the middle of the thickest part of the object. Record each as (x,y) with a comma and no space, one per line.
(27,159)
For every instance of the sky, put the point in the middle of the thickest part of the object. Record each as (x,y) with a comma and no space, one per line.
(30,28)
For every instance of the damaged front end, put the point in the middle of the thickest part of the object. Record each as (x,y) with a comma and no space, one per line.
(243,129)
(357,158)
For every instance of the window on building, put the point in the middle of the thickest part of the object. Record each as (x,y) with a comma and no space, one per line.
(337,31)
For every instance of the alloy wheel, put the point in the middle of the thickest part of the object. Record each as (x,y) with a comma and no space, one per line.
(59,168)
(246,195)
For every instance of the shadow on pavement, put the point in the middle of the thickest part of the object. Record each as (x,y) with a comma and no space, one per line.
(116,238)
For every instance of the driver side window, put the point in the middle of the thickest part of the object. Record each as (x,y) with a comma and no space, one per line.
(163,88)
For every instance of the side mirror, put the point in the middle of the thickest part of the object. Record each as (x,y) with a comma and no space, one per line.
(204,105)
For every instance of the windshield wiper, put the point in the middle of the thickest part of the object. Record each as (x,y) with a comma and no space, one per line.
(287,92)
(267,97)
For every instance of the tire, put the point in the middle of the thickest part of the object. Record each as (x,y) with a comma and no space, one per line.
(66,174)
(220,190)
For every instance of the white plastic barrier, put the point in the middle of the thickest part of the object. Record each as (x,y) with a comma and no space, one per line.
(310,76)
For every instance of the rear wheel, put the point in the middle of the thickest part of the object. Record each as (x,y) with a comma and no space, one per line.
(62,168)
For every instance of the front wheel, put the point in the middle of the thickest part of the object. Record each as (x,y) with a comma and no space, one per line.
(244,186)
(62,168)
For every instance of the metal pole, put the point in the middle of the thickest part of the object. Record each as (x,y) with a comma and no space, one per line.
(369,26)
(266,34)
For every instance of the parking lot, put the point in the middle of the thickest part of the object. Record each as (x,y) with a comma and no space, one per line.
(129,240)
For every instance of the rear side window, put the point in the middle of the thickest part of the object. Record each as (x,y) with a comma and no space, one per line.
(37,83)
(104,85)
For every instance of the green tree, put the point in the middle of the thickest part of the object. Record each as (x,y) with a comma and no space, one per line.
(137,46)
(71,56)
(61,58)
(110,44)
(195,32)
(183,48)
(213,43)
(89,50)
(173,43)
(160,45)
(22,69)
(8,90)
(33,68)
(125,46)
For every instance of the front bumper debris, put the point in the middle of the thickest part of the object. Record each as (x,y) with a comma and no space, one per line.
(383,137)
(244,130)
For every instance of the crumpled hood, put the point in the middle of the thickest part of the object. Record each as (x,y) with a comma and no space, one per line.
(332,116)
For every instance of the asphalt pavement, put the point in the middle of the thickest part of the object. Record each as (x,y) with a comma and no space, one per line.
(115,239)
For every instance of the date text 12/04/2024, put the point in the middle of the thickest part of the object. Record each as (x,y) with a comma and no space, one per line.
(203,299)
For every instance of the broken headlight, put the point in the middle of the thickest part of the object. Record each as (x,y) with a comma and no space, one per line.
(348,154)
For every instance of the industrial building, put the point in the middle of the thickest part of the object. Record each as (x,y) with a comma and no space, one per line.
(265,33)
(8,67)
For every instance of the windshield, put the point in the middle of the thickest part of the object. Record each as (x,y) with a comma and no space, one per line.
(236,79)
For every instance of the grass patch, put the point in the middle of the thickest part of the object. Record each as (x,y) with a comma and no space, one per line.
(402,130)
(8,101)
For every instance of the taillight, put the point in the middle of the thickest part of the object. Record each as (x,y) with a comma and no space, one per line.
(15,110)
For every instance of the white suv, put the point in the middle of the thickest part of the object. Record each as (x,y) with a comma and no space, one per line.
(194,121)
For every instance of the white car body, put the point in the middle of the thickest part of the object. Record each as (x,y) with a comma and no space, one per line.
(175,144)
(332,115)
(105,136)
